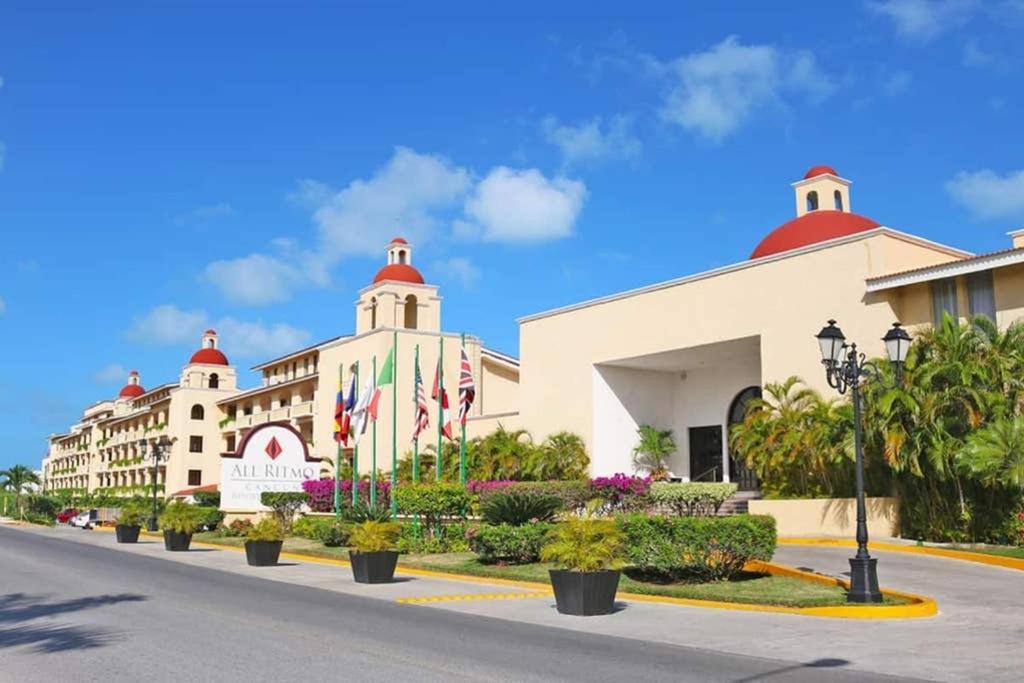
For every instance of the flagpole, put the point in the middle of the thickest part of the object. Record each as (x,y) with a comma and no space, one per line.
(337,457)
(416,440)
(355,454)
(373,457)
(394,424)
(440,406)
(462,423)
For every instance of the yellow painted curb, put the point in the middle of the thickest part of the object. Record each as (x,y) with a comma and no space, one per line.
(965,555)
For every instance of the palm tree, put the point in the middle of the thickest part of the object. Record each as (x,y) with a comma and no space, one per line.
(652,451)
(995,454)
(18,479)
(561,456)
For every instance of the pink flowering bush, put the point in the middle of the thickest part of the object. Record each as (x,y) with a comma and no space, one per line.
(622,491)
(321,493)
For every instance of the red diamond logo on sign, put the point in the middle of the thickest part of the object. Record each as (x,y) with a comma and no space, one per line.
(274,448)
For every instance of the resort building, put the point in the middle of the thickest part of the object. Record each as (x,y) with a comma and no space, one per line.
(687,354)
(109,450)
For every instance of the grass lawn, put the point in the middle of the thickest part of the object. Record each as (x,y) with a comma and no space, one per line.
(1004,551)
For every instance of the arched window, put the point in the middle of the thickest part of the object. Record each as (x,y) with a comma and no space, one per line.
(739,473)
(838,199)
(411,312)
(210,343)
(401,256)
(198,413)
(373,313)
(214,381)
(812,200)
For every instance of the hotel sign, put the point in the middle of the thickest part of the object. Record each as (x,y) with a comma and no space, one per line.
(270,457)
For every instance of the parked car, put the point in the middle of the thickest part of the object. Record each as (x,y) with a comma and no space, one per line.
(65,516)
(84,520)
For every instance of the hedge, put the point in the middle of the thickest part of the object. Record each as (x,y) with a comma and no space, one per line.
(328,531)
(572,495)
(691,498)
(507,543)
(701,548)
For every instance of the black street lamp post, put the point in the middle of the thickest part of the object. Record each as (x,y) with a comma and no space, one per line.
(844,369)
(157,453)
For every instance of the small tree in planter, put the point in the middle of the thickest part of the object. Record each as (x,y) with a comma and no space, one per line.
(129,523)
(651,452)
(179,522)
(372,551)
(589,552)
(284,504)
(263,543)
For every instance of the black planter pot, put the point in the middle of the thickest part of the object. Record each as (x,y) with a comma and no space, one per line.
(584,594)
(262,553)
(127,534)
(375,567)
(175,541)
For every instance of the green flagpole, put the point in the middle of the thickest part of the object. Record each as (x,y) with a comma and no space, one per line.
(440,406)
(416,441)
(373,458)
(355,452)
(394,423)
(337,457)
(462,440)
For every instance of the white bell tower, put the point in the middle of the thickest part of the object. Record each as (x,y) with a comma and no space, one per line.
(822,189)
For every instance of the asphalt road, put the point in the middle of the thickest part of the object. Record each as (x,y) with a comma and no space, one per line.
(76,612)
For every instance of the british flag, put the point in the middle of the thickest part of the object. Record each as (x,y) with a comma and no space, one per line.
(422,416)
(467,389)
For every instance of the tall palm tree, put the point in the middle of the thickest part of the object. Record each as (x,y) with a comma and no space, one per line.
(995,454)
(651,452)
(18,479)
(562,456)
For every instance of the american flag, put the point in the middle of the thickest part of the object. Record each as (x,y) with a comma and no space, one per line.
(422,417)
(467,389)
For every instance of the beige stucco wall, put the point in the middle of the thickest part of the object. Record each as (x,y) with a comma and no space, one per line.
(829,516)
(782,301)
(498,387)
(1009,294)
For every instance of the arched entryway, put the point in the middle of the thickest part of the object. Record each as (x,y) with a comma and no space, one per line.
(739,473)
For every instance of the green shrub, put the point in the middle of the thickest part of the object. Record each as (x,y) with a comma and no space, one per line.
(572,495)
(584,545)
(326,530)
(514,544)
(267,529)
(701,548)
(207,498)
(182,518)
(210,518)
(451,538)
(365,512)
(517,507)
(436,503)
(40,518)
(131,514)
(238,527)
(691,498)
(284,504)
(42,505)
(371,536)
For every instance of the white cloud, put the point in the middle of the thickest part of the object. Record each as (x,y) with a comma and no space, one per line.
(924,20)
(111,373)
(459,269)
(989,195)
(523,206)
(259,279)
(713,93)
(169,325)
(588,142)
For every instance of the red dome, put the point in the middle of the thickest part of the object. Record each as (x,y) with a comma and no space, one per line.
(399,240)
(811,228)
(209,357)
(400,272)
(820,170)
(131,391)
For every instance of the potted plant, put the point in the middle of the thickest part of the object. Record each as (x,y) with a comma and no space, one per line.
(263,543)
(371,551)
(589,553)
(179,521)
(129,523)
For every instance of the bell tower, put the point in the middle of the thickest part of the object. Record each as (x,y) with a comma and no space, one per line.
(398,298)
(822,189)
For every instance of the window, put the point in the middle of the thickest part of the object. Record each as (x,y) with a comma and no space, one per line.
(373,313)
(231,443)
(195,444)
(195,477)
(838,196)
(401,256)
(980,294)
(198,413)
(411,312)
(944,300)
(214,381)
(232,412)
(812,201)
(247,410)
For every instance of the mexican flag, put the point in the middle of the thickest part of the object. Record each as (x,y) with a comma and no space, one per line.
(385,377)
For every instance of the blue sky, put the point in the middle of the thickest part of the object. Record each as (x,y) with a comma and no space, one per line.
(164,169)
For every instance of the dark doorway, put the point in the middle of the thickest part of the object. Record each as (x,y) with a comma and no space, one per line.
(739,473)
(706,453)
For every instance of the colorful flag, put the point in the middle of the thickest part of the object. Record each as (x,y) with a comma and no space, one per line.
(347,408)
(422,418)
(339,412)
(361,413)
(467,389)
(386,376)
(438,390)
